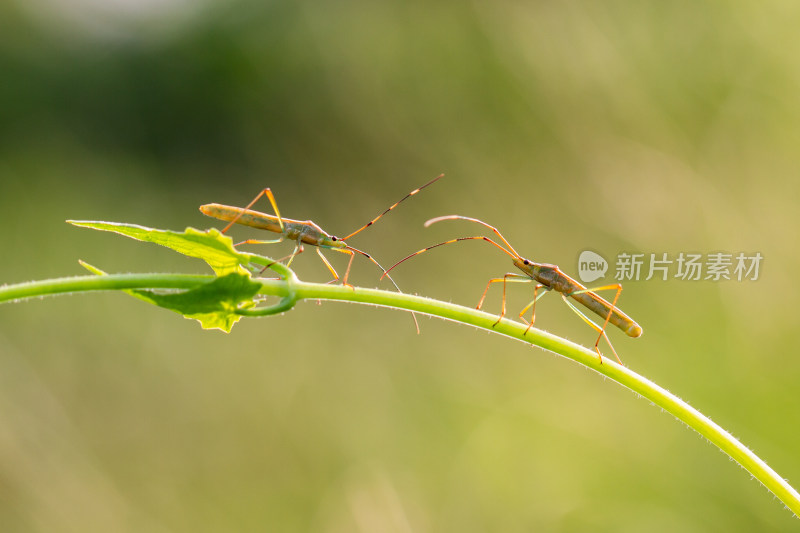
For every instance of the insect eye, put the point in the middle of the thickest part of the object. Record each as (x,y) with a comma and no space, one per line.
(526,262)
(334,239)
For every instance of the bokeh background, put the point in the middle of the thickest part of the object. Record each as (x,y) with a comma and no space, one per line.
(613,126)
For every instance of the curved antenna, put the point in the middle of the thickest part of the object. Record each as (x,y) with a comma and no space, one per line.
(481,222)
(385,274)
(451,241)
(409,195)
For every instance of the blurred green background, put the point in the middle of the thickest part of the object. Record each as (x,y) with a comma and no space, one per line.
(642,127)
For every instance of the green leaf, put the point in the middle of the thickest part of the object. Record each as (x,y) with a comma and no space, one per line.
(216,304)
(211,246)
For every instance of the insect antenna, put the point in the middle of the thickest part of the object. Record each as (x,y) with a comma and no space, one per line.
(451,241)
(406,197)
(481,222)
(385,274)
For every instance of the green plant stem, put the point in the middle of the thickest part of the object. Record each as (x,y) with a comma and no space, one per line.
(516,330)
(291,290)
(50,287)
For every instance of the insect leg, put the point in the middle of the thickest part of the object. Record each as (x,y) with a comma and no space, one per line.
(328,264)
(618,288)
(532,306)
(508,277)
(595,327)
(268,193)
(298,249)
(256,241)
(352,251)
(347,272)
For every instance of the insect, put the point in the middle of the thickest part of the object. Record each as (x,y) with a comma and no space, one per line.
(548,277)
(302,232)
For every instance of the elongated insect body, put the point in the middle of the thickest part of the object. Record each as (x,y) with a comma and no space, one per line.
(304,231)
(248,217)
(301,232)
(605,309)
(548,277)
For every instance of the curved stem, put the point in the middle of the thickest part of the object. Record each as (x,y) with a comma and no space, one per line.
(516,330)
(290,290)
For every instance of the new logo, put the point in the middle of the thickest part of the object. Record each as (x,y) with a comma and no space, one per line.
(591,266)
